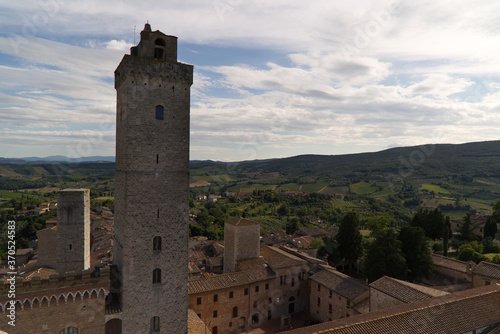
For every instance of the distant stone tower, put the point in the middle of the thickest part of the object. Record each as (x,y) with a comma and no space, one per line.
(241,242)
(152,186)
(73,230)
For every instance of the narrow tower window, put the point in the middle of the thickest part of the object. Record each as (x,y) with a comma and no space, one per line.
(155,324)
(157,275)
(157,243)
(159,112)
(70,246)
(157,158)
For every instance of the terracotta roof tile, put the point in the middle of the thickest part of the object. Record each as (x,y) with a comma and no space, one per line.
(458,312)
(405,291)
(449,263)
(277,258)
(195,324)
(340,283)
(487,269)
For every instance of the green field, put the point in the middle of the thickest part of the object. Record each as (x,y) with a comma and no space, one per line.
(434,188)
(363,188)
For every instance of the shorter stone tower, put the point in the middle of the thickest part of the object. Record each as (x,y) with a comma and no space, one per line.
(241,242)
(73,230)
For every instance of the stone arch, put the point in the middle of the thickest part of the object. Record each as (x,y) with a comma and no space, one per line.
(93,294)
(53,300)
(102,293)
(27,304)
(36,303)
(86,295)
(113,326)
(45,302)
(78,294)
(70,297)
(61,299)
(19,305)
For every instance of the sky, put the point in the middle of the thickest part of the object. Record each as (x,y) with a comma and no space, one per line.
(272,79)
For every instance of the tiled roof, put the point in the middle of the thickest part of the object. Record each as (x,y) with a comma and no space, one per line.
(487,269)
(458,312)
(257,269)
(340,283)
(405,291)
(277,258)
(253,271)
(242,222)
(195,324)
(446,262)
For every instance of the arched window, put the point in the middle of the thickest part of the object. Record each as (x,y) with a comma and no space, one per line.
(159,112)
(157,275)
(159,48)
(235,311)
(159,41)
(157,243)
(69,330)
(114,326)
(155,324)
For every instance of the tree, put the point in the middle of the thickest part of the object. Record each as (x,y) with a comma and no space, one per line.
(384,257)
(416,252)
(349,239)
(377,224)
(292,226)
(466,230)
(490,228)
(433,222)
(469,254)
(316,243)
(329,251)
(446,235)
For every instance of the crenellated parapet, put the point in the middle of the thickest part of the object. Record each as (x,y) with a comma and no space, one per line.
(56,290)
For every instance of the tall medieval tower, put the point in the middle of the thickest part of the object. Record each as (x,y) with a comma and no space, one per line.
(152,186)
(73,230)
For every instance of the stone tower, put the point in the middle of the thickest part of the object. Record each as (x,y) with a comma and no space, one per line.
(241,242)
(152,186)
(73,230)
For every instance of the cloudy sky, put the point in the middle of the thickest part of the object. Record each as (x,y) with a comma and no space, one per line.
(272,78)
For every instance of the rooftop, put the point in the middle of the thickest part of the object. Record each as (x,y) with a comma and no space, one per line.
(339,283)
(446,262)
(277,258)
(487,269)
(458,312)
(405,291)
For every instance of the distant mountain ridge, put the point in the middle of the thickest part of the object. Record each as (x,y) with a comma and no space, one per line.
(57,158)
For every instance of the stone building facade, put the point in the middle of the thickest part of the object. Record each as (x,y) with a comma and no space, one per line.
(47,247)
(73,236)
(71,301)
(152,186)
(335,295)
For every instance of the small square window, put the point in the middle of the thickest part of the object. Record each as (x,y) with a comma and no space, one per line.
(257,288)
(267,286)
(198,301)
(216,297)
(231,294)
(215,314)
(246,291)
